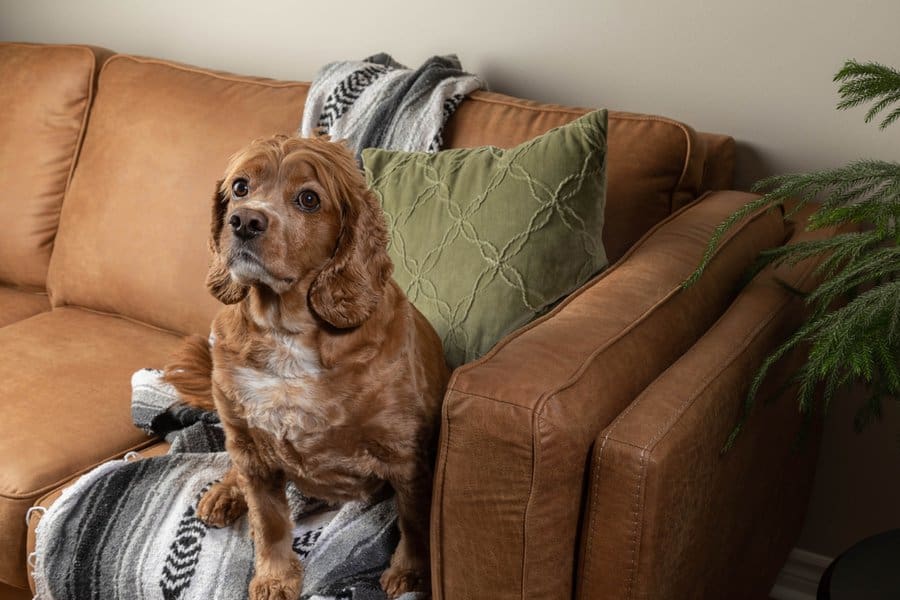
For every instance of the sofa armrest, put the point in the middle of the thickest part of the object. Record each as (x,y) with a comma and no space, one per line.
(668,516)
(518,424)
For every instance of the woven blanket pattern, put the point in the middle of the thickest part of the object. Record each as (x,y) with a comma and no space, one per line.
(128,529)
(379,103)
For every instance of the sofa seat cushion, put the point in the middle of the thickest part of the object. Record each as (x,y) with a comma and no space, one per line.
(67,388)
(16,305)
(46,94)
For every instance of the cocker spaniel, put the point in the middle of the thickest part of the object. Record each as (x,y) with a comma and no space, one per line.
(322,372)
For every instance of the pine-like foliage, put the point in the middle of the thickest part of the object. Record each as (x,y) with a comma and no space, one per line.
(852,329)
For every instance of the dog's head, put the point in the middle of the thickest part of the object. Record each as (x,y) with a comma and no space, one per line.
(291,208)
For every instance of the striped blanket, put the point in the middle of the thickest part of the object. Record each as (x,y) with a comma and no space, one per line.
(128,529)
(379,103)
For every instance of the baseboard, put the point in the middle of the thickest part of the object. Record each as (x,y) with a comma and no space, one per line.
(800,576)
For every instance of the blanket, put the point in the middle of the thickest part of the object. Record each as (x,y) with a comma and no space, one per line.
(128,529)
(377,102)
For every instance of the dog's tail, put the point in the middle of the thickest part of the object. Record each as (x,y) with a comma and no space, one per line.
(190,372)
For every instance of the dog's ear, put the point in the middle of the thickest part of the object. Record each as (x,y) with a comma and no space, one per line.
(218,279)
(350,286)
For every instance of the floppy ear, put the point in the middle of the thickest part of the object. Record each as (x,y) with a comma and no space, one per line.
(218,279)
(350,286)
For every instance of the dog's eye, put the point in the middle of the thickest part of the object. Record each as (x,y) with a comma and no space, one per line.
(240,187)
(308,200)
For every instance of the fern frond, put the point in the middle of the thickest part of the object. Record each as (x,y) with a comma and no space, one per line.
(867,82)
(874,266)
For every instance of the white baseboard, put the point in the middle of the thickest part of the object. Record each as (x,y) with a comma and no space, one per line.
(800,576)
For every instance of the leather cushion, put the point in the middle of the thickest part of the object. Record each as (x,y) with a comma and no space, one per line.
(518,424)
(654,165)
(16,305)
(46,94)
(132,237)
(660,461)
(66,407)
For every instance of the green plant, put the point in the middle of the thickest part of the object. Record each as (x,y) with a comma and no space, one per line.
(853,325)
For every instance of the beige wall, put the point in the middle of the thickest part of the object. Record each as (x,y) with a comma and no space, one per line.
(760,70)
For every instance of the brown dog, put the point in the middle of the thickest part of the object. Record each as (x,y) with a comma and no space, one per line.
(322,372)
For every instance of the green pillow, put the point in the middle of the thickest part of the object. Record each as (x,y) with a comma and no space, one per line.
(484,239)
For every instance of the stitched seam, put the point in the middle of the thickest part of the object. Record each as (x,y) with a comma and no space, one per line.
(492,399)
(637,530)
(684,168)
(199,71)
(35,493)
(536,421)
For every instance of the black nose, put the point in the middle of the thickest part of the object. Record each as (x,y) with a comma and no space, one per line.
(248,223)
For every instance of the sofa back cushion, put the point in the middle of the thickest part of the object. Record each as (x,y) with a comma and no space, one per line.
(134,228)
(45,96)
(654,165)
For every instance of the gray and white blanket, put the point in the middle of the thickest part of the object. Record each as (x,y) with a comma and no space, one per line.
(379,103)
(128,529)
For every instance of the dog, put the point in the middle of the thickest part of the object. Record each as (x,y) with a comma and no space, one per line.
(322,372)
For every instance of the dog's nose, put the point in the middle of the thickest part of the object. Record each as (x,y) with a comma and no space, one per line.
(247,223)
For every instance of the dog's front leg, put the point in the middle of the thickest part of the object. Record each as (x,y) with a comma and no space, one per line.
(410,564)
(279,574)
(223,503)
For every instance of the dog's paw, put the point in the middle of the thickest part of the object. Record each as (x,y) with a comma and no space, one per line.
(275,588)
(221,506)
(396,581)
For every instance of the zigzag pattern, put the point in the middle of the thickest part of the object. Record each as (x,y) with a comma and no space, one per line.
(346,93)
(449,107)
(184,553)
(303,544)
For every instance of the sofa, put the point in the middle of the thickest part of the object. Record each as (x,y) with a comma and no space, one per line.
(580,458)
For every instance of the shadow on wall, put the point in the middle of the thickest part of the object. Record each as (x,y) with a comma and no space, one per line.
(751,165)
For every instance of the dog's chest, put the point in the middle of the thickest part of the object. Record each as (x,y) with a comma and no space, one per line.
(280,396)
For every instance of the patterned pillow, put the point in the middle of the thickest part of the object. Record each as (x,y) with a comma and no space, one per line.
(484,240)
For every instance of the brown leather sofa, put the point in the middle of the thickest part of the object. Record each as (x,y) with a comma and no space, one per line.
(579,458)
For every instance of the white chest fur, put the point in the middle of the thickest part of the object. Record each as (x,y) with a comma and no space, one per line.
(280,398)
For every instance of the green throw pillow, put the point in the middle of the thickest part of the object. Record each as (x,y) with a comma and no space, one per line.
(484,240)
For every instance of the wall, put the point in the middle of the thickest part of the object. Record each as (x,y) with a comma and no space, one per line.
(758,70)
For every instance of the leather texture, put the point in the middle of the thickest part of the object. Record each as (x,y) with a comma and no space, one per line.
(665,508)
(654,165)
(67,389)
(16,305)
(46,95)
(518,425)
(137,213)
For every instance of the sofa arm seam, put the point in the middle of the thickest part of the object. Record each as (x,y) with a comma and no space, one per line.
(636,511)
